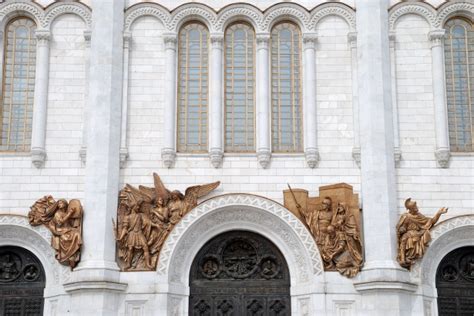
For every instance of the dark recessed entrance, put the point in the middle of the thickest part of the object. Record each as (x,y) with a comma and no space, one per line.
(22,282)
(239,273)
(455,283)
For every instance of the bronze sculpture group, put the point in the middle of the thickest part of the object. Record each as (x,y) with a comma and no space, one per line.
(146,216)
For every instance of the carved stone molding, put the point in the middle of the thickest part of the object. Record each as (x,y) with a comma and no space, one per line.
(58,9)
(442,157)
(23,7)
(240,208)
(332,9)
(436,37)
(145,9)
(356,155)
(188,12)
(312,157)
(216,156)
(285,11)
(239,11)
(168,156)
(423,10)
(445,12)
(38,157)
(264,156)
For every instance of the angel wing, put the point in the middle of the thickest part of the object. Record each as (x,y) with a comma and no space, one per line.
(195,192)
(135,194)
(160,190)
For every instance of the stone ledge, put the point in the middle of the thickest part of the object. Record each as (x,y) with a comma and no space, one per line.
(385,286)
(94,286)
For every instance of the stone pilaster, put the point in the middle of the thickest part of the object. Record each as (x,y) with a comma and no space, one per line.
(393,79)
(309,100)
(442,152)
(352,40)
(381,272)
(85,125)
(127,38)
(216,127)
(168,152)
(94,287)
(263,100)
(40,106)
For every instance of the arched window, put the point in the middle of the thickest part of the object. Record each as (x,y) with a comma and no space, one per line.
(16,108)
(459,55)
(193,83)
(239,88)
(286,89)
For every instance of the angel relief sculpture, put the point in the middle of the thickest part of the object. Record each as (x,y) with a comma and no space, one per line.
(146,216)
(64,220)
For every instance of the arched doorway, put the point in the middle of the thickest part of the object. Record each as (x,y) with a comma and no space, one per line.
(455,283)
(239,273)
(22,282)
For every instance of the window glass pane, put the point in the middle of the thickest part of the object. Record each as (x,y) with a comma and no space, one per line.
(459,57)
(239,89)
(193,88)
(286,98)
(18,85)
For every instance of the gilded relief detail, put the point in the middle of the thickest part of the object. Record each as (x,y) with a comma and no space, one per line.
(146,216)
(333,219)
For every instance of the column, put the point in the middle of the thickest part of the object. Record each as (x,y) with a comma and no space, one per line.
(442,152)
(85,126)
(263,101)
(381,271)
(216,119)
(168,152)
(352,39)
(393,78)
(40,105)
(309,100)
(126,56)
(95,286)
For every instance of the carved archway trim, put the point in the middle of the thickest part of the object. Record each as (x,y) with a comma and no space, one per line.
(239,211)
(448,235)
(15,230)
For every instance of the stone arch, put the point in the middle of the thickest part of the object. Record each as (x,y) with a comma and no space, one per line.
(239,12)
(281,12)
(59,9)
(325,10)
(454,9)
(239,212)
(28,9)
(189,12)
(145,9)
(421,9)
(448,235)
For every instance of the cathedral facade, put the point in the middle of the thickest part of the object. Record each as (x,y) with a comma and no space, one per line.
(237,158)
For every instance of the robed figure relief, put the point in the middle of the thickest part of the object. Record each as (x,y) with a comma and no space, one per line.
(333,224)
(64,220)
(146,216)
(413,232)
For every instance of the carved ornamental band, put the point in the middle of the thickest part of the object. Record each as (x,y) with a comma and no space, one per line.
(146,216)
(333,220)
(64,220)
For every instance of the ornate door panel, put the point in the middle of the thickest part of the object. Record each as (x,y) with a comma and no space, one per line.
(22,282)
(455,283)
(239,273)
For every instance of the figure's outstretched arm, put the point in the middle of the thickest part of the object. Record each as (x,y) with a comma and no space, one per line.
(435,218)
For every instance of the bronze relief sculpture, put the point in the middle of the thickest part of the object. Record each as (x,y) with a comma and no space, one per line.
(146,216)
(413,233)
(64,220)
(333,220)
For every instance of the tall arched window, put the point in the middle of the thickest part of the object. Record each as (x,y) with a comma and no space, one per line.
(239,88)
(287,124)
(459,55)
(18,85)
(193,83)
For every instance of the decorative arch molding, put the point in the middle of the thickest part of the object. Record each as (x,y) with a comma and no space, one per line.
(446,236)
(10,10)
(326,10)
(57,9)
(16,231)
(424,10)
(188,12)
(237,12)
(448,11)
(239,211)
(145,9)
(292,12)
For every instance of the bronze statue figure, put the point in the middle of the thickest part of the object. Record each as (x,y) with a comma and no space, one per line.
(335,231)
(64,220)
(146,216)
(413,232)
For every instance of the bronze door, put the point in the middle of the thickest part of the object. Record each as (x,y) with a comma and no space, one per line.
(239,273)
(22,282)
(455,283)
